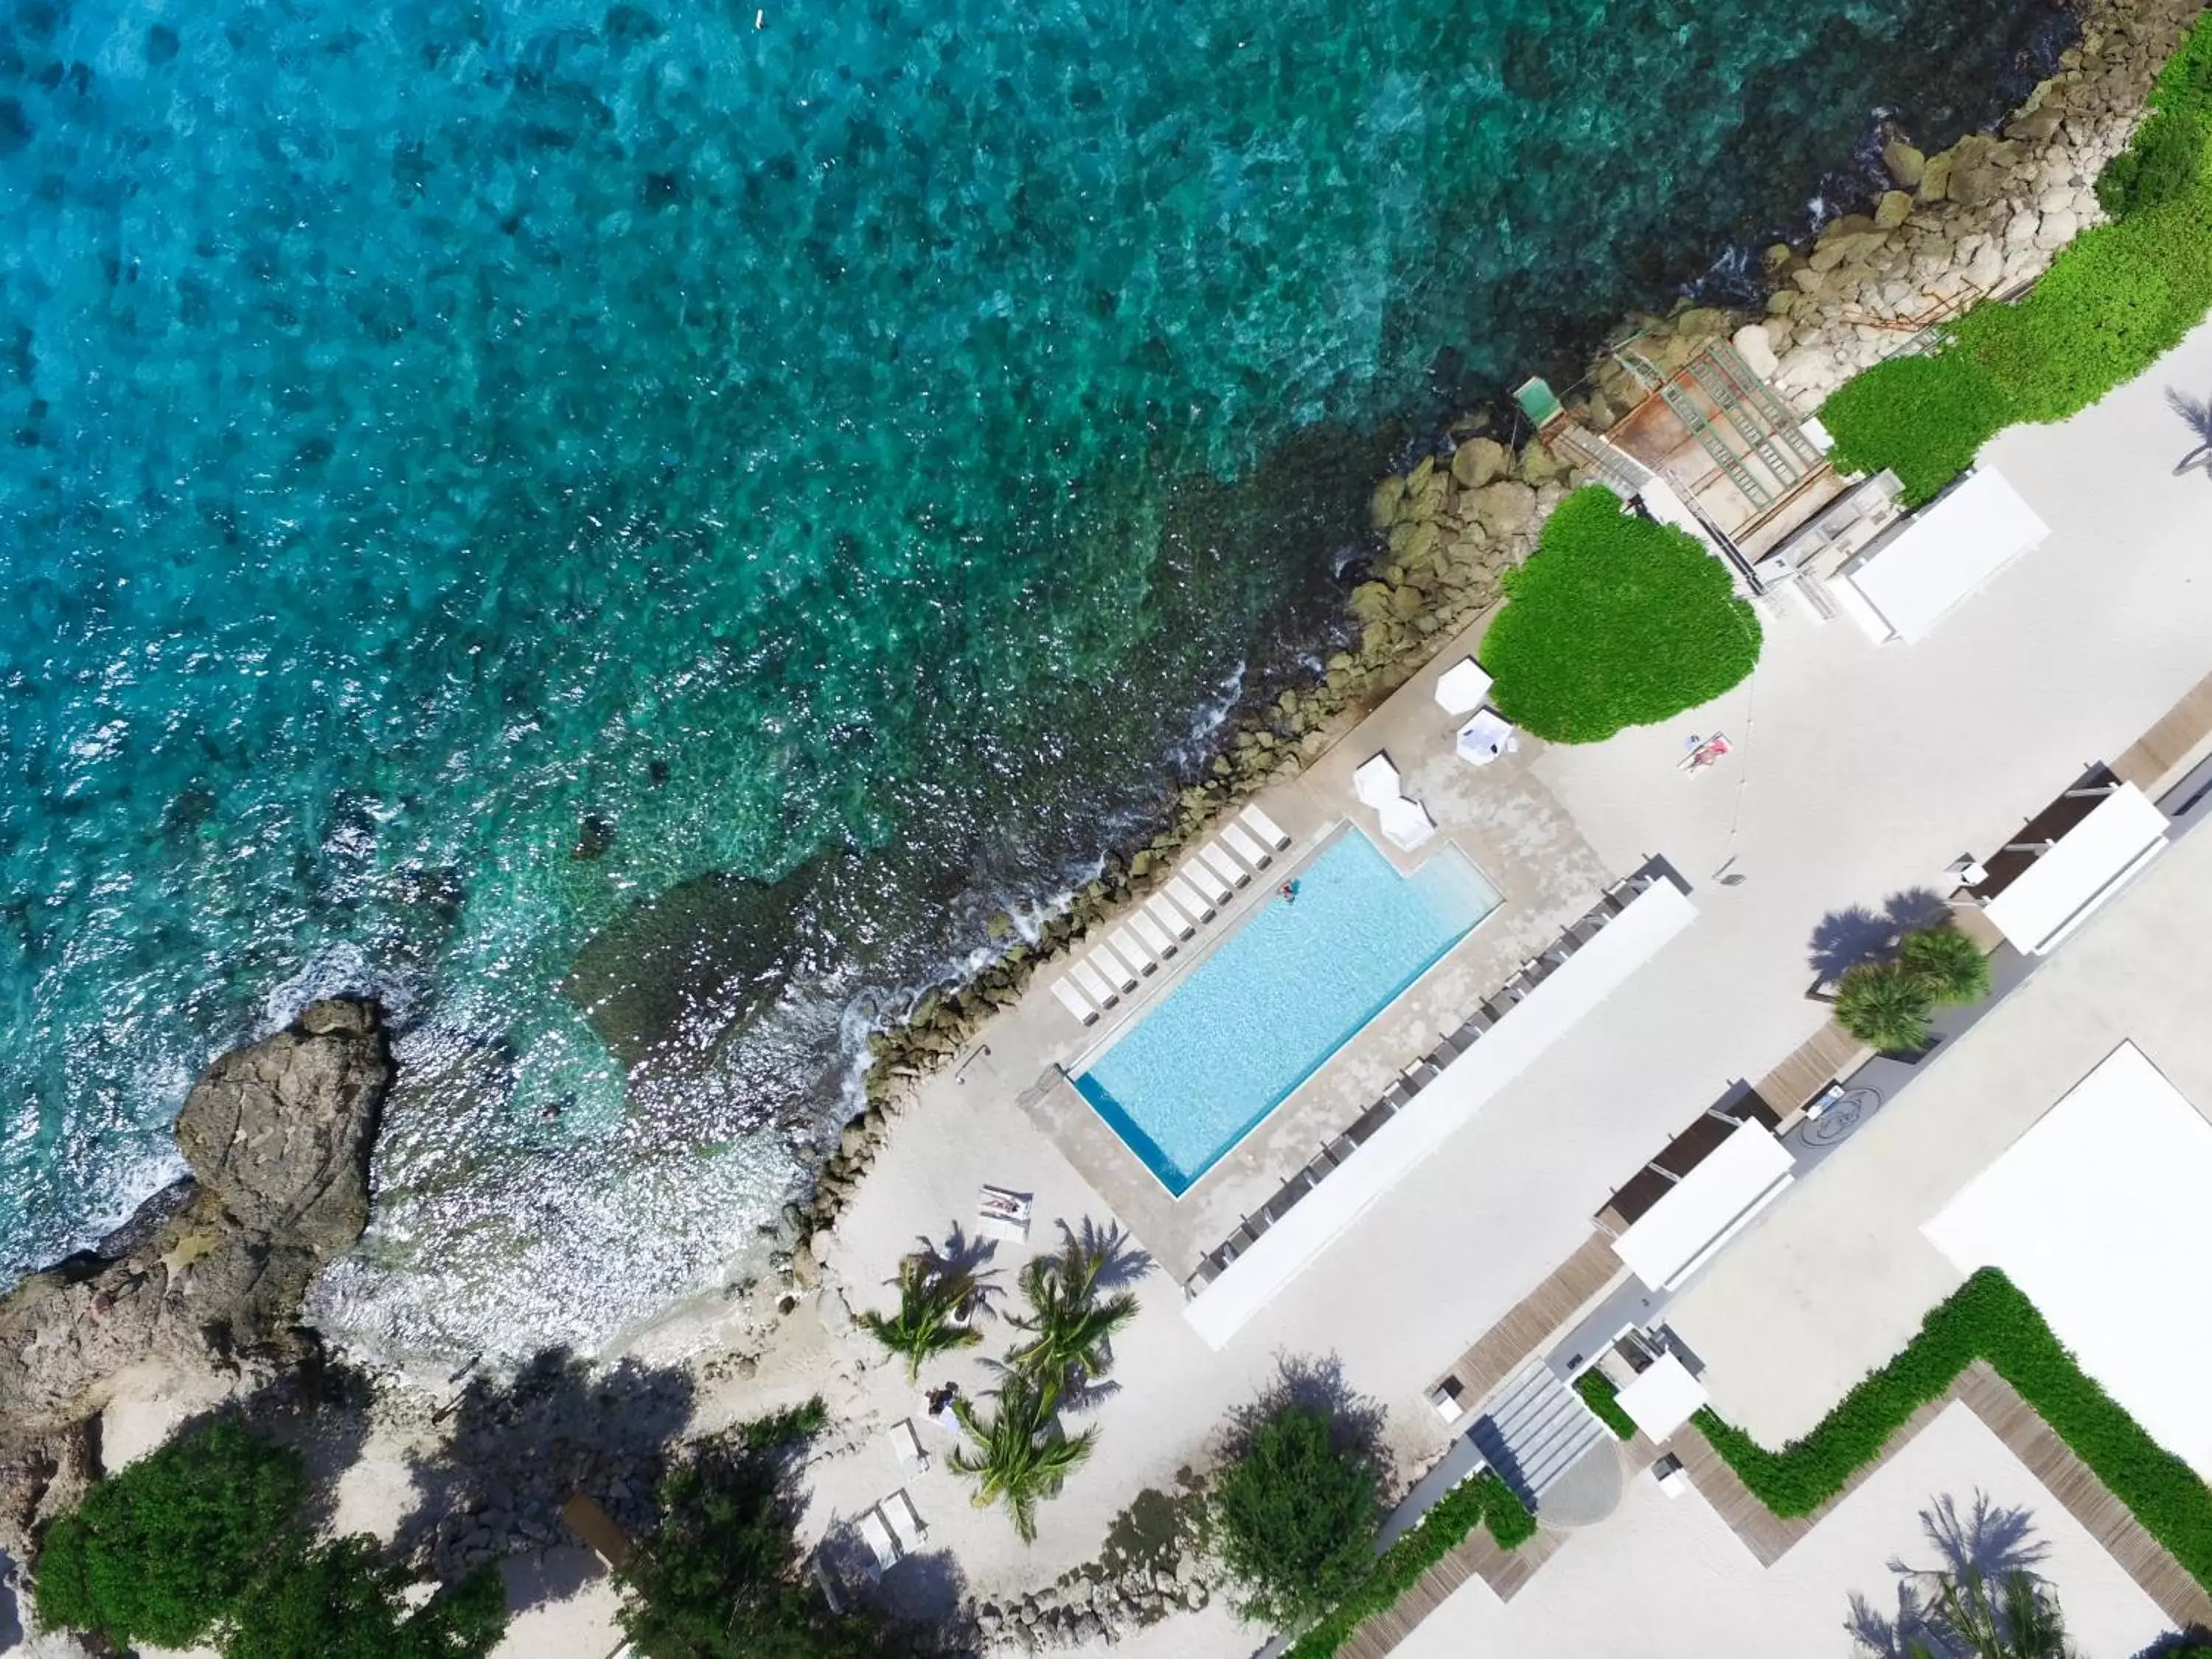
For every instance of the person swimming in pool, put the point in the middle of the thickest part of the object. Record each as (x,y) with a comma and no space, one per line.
(1290,891)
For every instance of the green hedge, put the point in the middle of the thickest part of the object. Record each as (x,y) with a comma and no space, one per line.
(1601,1396)
(1484,1500)
(1987,1318)
(1614,620)
(2114,300)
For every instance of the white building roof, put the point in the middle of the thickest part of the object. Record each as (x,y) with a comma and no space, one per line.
(2057,894)
(1944,553)
(2096,1212)
(1706,1208)
(1663,1397)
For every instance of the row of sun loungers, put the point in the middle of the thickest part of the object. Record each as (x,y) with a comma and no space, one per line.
(1418,1076)
(1132,952)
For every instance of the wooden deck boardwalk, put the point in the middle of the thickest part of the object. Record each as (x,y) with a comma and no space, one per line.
(2172,739)
(1477,1557)
(1830,1053)
(1500,1351)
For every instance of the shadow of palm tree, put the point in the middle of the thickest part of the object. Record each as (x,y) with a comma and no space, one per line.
(1988,1541)
(1851,938)
(962,1256)
(1122,1262)
(2197,415)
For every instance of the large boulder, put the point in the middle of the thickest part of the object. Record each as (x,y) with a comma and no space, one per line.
(210,1272)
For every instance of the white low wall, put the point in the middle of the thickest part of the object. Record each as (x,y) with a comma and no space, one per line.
(1432,1116)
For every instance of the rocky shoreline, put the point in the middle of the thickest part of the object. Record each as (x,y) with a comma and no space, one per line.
(1981,219)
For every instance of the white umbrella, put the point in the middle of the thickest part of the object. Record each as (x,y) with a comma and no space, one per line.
(1486,737)
(1406,822)
(1376,781)
(1463,687)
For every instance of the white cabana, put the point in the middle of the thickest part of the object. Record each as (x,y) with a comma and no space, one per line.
(1406,823)
(1376,781)
(2083,868)
(1486,737)
(1912,578)
(1663,1397)
(1462,686)
(2096,1212)
(1706,1207)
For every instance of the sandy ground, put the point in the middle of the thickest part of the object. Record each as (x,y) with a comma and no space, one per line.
(1664,1577)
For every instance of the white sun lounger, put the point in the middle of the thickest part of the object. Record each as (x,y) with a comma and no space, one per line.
(1266,828)
(1002,1214)
(1093,983)
(1162,910)
(906,1522)
(1189,898)
(878,1537)
(1126,947)
(1211,880)
(1245,847)
(1219,860)
(907,1445)
(1376,783)
(1147,929)
(1407,823)
(1102,958)
(1074,1001)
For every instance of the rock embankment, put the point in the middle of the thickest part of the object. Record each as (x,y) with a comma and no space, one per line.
(209,1273)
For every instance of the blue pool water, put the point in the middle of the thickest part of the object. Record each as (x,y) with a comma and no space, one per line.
(1286,990)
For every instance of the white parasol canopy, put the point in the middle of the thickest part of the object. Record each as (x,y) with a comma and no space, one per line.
(1463,687)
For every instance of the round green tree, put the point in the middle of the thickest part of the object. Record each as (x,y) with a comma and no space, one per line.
(342,1601)
(161,1550)
(1951,964)
(1886,1005)
(1295,1514)
(1614,622)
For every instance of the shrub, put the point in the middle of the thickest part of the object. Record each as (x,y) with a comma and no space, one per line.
(1951,966)
(338,1601)
(2113,301)
(720,1579)
(1295,1516)
(1986,1318)
(161,1550)
(1393,1572)
(1598,1393)
(1884,1005)
(1615,620)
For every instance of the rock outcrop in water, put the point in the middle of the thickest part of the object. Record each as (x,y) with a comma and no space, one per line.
(209,1273)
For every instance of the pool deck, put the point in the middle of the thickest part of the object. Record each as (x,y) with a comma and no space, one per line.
(1499,816)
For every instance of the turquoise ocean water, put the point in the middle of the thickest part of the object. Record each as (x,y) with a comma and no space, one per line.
(472,469)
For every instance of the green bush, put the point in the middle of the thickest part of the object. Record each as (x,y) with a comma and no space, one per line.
(1295,1516)
(1951,966)
(1615,620)
(1393,1572)
(340,1601)
(2113,301)
(1886,1005)
(1986,1318)
(1601,1396)
(161,1550)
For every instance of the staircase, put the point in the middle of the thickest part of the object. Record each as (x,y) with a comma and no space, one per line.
(1534,1428)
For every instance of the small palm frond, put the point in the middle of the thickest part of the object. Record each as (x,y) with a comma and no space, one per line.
(926,1323)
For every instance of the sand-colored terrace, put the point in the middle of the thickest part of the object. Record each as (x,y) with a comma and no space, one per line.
(1498,816)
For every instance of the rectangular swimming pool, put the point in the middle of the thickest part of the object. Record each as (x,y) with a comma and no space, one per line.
(1277,998)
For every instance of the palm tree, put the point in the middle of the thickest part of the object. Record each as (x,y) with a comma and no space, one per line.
(2021,1621)
(933,1293)
(1884,1004)
(2197,415)
(1952,965)
(1070,1328)
(1021,1455)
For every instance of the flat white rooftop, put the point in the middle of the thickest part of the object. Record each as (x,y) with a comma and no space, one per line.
(1706,1208)
(2097,1213)
(2088,864)
(1915,577)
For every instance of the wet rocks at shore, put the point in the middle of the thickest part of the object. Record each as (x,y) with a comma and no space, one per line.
(208,1274)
